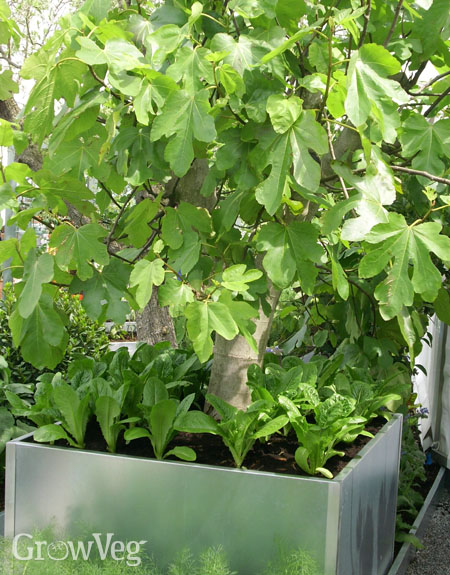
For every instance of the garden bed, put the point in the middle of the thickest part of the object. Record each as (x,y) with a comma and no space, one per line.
(346,524)
(274,456)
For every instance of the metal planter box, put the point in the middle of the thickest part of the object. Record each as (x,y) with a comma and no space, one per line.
(347,524)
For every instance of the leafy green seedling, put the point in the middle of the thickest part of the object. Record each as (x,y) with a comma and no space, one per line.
(238,429)
(74,414)
(161,414)
(334,423)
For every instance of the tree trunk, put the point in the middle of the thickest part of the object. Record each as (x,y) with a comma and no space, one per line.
(232,359)
(154,323)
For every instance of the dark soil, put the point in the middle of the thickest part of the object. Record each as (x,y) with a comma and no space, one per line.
(276,455)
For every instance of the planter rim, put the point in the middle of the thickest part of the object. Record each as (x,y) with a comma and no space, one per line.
(339,477)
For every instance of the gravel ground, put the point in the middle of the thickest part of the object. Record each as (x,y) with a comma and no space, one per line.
(434,559)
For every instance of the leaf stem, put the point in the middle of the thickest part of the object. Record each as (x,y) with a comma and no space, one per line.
(103,83)
(440,208)
(333,156)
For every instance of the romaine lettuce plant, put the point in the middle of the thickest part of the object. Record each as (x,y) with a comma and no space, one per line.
(161,414)
(74,412)
(238,429)
(335,422)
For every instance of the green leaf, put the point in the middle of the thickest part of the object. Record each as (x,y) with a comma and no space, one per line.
(290,147)
(339,279)
(50,433)
(75,157)
(103,293)
(145,275)
(184,453)
(289,13)
(154,91)
(6,133)
(41,336)
(107,411)
(279,262)
(7,197)
(8,86)
(162,417)
(271,427)
(236,278)
(308,134)
(8,248)
(204,317)
(39,110)
(279,156)
(231,80)
(118,54)
(289,43)
(136,433)
(288,248)
(136,226)
(193,68)
(74,412)
(186,257)
(402,243)
(196,422)
(184,117)
(176,295)
(254,8)
(37,271)
(154,392)
(283,112)
(240,54)
(408,331)
(442,306)
(368,83)
(375,190)
(427,142)
(76,248)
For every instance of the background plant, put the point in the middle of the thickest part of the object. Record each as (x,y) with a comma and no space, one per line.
(85,337)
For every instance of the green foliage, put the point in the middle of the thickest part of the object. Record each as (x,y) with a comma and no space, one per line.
(211,561)
(327,154)
(162,416)
(412,474)
(73,412)
(122,393)
(324,406)
(238,429)
(297,562)
(85,337)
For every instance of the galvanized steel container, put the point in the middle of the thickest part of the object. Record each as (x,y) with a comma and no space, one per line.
(347,524)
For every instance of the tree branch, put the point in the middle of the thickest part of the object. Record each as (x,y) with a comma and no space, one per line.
(394,23)
(421,173)
(437,102)
(119,215)
(366,23)
(330,65)
(5,57)
(109,194)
